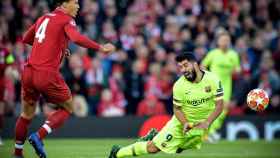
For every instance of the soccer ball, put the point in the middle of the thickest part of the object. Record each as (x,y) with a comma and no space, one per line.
(257,99)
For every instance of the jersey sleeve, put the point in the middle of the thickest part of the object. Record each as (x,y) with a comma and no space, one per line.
(218,88)
(207,59)
(28,36)
(75,36)
(178,95)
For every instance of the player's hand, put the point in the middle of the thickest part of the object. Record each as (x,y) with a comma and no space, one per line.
(202,125)
(107,48)
(187,127)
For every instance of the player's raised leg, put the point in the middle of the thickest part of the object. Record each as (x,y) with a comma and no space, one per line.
(56,120)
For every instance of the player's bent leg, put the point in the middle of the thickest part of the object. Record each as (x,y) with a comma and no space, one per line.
(193,140)
(136,149)
(67,105)
(57,119)
(54,121)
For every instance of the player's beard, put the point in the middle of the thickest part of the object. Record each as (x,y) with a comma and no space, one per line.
(191,76)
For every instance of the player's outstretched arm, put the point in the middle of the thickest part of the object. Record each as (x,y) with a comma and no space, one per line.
(84,41)
(28,36)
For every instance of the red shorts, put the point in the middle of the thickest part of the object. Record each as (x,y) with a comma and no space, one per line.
(2,89)
(50,85)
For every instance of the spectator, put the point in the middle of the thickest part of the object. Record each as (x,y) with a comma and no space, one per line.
(150,105)
(134,90)
(108,107)
(80,107)
(149,32)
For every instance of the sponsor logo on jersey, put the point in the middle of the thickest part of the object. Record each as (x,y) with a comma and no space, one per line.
(199,101)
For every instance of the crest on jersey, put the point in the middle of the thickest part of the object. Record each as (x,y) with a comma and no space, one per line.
(207,89)
(72,22)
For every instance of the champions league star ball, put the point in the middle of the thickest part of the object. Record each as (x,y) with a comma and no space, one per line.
(257,99)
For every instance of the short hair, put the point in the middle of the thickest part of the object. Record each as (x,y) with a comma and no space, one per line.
(59,2)
(223,33)
(186,56)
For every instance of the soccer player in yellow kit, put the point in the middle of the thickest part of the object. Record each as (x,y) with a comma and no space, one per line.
(197,102)
(223,61)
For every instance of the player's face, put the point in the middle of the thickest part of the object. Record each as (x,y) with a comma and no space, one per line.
(224,41)
(72,7)
(187,69)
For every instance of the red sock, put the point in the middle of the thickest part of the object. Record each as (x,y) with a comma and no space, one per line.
(21,134)
(54,121)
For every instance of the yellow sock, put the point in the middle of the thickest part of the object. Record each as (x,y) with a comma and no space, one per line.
(136,149)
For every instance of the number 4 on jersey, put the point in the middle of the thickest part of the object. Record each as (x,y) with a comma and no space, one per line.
(40,34)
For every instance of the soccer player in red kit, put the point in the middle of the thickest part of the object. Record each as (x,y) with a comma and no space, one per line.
(49,37)
(6,59)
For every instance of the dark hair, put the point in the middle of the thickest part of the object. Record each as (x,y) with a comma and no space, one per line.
(186,56)
(59,2)
(223,33)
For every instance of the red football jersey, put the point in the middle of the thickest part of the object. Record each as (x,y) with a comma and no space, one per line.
(50,36)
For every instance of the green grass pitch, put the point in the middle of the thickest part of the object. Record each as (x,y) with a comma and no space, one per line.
(99,148)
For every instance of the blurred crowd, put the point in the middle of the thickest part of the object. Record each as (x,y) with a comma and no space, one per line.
(137,79)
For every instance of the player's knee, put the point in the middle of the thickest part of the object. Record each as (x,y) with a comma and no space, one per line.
(151,148)
(28,110)
(28,116)
(68,105)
